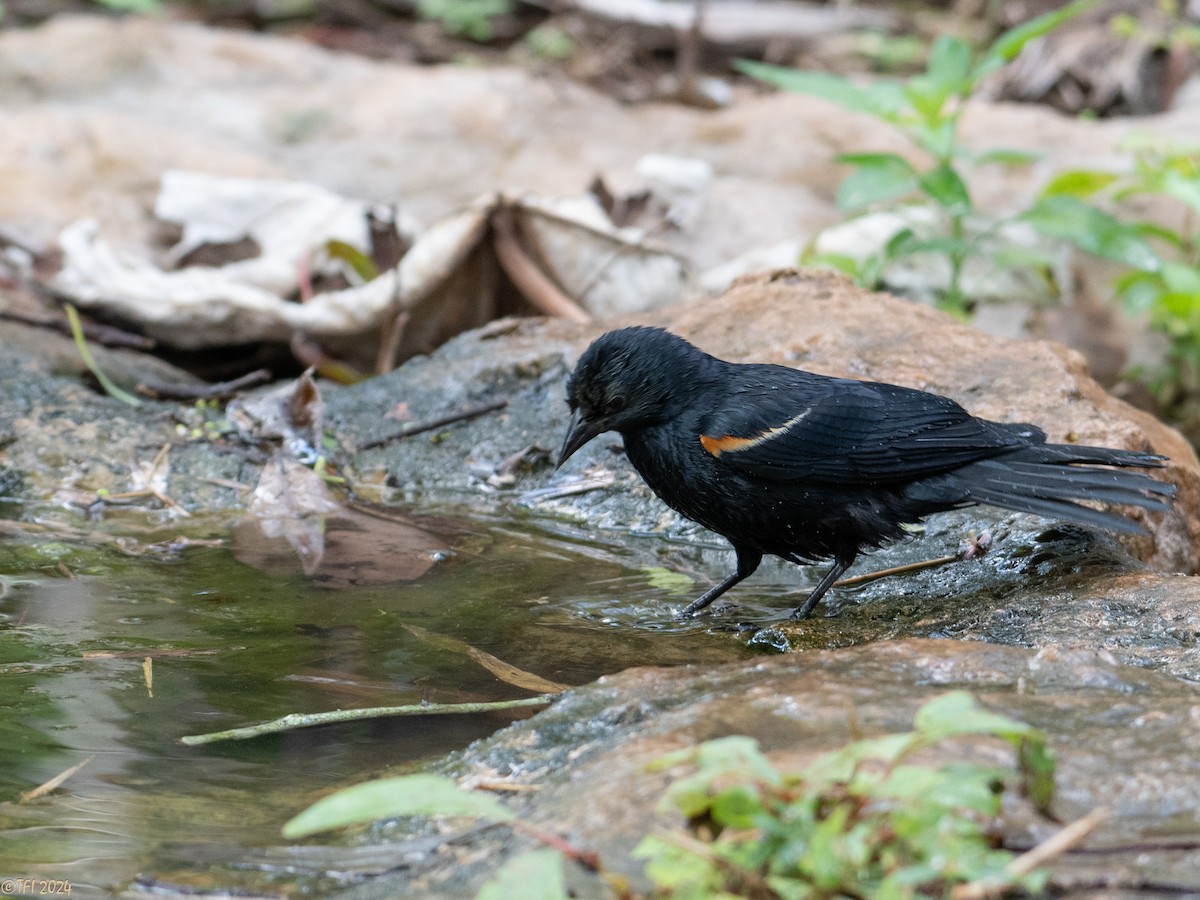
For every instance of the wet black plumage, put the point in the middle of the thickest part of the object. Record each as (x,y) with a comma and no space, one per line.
(807,467)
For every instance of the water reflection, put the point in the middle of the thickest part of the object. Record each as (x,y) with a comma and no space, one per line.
(230,645)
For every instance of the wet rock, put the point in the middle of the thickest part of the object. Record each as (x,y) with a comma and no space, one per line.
(806,319)
(57,434)
(1034,587)
(1123,737)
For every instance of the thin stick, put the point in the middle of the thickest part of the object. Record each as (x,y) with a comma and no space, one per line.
(161,390)
(1055,845)
(308,720)
(431,424)
(165,653)
(47,786)
(107,335)
(1058,843)
(897,570)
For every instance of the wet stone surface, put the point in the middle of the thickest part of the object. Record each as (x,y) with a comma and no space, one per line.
(1124,738)
(1042,627)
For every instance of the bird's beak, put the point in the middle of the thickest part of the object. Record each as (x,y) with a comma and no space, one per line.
(578,434)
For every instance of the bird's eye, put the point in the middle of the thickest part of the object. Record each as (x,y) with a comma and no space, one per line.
(614,405)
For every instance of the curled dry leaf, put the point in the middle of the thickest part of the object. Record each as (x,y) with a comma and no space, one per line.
(291,503)
(449,281)
(292,414)
(498,667)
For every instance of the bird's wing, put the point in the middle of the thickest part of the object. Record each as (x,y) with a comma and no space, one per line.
(824,429)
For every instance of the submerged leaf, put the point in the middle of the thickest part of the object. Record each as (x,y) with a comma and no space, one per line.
(498,667)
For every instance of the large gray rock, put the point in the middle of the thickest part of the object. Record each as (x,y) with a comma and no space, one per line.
(1123,738)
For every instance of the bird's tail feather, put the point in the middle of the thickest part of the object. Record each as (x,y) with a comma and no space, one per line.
(1046,480)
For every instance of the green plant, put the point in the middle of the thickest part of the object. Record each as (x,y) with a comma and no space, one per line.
(85,353)
(863,821)
(866,820)
(926,109)
(132,6)
(537,875)
(550,42)
(466,18)
(1161,277)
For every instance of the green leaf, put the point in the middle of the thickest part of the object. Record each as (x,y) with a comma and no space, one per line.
(1039,258)
(85,353)
(683,873)
(135,6)
(1093,230)
(877,177)
(950,64)
(1078,183)
(1166,235)
(1006,47)
(1003,156)
(939,139)
(957,712)
(838,262)
(736,807)
(899,244)
(1185,190)
(947,76)
(536,875)
(879,98)
(1138,290)
(410,795)
(840,765)
(1037,765)
(364,267)
(924,98)
(1181,278)
(947,189)
(468,18)
(735,755)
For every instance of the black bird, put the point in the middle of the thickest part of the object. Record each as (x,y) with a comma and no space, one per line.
(808,467)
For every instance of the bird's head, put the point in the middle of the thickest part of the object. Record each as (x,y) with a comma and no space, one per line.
(626,380)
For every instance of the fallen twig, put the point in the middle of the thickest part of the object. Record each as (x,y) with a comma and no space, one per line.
(164,653)
(897,570)
(570,489)
(1055,845)
(308,720)
(108,335)
(975,547)
(220,390)
(47,786)
(431,424)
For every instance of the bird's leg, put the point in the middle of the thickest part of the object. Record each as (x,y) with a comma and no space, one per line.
(804,610)
(747,562)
